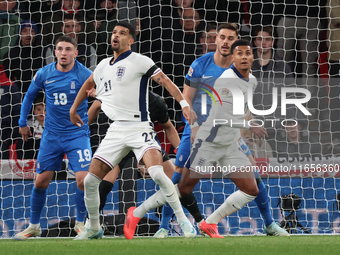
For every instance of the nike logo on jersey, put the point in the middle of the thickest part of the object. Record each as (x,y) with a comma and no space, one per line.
(82,165)
(101,78)
(206,77)
(48,82)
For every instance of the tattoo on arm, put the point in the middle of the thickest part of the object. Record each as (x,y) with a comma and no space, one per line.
(160,82)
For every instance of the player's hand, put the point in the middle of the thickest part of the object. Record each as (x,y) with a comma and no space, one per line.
(249,140)
(75,118)
(25,132)
(91,92)
(193,133)
(261,132)
(193,116)
(186,113)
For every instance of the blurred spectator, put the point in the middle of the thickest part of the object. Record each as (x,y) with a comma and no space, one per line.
(29,149)
(10,112)
(300,24)
(106,25)
(296,144)
(259,148)
(208,38)
(86,53)
(271,72)
(40,10)
(181,43)
(9,26)
(23,60)
(295,141)
(333,12)
(52,25)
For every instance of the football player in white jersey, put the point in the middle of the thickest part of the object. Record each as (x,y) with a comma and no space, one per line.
(122,87)
(217,144)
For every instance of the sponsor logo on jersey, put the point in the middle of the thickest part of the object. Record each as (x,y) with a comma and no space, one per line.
(190,71)
(206,77)
(120,72)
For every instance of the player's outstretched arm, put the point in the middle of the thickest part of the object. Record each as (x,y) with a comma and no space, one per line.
(163,80)
(81,96)
(94,110)
(171,133)
(188,94)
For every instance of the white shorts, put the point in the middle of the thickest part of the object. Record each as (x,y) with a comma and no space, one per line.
(229,158)
(123,137)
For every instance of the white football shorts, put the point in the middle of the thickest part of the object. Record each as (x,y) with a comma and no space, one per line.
(229,157)
(124,136)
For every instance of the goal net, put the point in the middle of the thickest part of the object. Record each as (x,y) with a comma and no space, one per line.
(174,34)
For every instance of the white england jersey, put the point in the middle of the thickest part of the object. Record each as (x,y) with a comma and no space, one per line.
(122,86)
(229,83)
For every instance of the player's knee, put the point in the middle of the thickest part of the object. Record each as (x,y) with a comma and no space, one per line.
(81,185)
(183,190)
(41,184)
(157,174)
(253,191)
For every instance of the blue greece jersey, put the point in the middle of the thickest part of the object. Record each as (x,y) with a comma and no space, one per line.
(60,136)
(203,71)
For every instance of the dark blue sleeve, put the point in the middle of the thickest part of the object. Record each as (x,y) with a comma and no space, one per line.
(34,88)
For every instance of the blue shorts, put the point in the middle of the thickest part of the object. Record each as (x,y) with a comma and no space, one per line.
(184,148)
(53,148)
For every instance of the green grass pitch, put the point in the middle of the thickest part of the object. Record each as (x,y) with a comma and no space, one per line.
(243,245)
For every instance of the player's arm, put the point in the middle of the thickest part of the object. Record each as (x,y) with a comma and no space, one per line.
(163,80)
(247,118)
(256,128)
(94,110)
(26,106)
(171,133)
(81,96)
(188,94)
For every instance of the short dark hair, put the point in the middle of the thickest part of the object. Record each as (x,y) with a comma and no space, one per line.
(230,26)
(127,25)
(241,42)
(268,29)
(66,38)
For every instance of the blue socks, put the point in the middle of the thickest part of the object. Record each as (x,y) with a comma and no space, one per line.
(262,201)
(38,198)
(80,205)
(167,211)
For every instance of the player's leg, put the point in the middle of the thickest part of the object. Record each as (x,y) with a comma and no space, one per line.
(79,154)
(262,199)
(181,157)
(247,192)
(111,150)
(49,159)
(171,197)
(243,179)
(147,149)
(106,185)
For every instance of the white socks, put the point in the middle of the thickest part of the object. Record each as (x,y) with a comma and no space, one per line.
(92,200)
(234,202)
(167,194)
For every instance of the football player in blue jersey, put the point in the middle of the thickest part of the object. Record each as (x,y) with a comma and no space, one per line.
(61,82)
(200,78)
